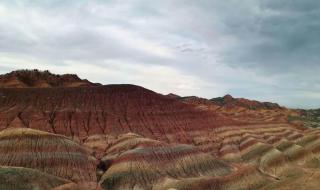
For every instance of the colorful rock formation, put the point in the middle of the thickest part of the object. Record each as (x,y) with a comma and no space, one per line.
(111,109)
(16,178)
(49,153)
(141,163)
(79,135)
(243,110)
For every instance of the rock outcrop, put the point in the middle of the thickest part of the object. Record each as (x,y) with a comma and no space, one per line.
(41,79)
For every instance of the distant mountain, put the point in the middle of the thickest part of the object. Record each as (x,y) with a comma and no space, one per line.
(243,110)
(230,102)
(41,79)
(171,95)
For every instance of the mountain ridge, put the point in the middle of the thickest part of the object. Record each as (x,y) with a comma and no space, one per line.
(41,79)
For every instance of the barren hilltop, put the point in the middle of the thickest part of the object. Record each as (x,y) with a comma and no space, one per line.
(41,79)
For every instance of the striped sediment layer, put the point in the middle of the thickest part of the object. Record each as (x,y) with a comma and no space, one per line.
(247,157)
(244,178)
(110,109)
(271,148)
(134,162)
(78,186)
(16,178)
(49,153)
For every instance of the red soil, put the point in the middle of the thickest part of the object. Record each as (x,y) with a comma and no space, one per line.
(111,109)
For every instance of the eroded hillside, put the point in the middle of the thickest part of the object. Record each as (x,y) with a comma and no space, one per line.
(243,110)
(125,137)
(111,109)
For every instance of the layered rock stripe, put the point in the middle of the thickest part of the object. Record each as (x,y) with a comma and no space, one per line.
(49,153)
(140,164)
(111,109)
(145,140)
(18,178)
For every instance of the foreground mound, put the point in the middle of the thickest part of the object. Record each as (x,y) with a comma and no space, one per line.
(49,153)
(134,162)
(13,178)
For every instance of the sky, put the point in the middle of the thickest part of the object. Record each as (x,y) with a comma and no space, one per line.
(266,50)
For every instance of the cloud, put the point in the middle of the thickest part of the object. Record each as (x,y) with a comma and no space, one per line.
(167,79)
(265,50)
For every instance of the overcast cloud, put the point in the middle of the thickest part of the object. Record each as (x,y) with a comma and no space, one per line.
(259,49)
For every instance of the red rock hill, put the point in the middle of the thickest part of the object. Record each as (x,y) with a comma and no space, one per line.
(40,79)
(110,109)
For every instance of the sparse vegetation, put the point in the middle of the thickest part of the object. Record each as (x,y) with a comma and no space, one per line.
(310,118)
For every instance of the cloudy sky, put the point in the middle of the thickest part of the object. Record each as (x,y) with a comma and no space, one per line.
(260,49)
